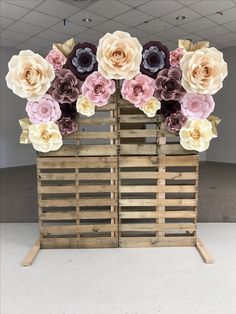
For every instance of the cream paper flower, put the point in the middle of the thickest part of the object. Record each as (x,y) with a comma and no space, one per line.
(29,75)
(151,106)
(119,56)
(203,71)
(196,135)
(45,137)
(85,106)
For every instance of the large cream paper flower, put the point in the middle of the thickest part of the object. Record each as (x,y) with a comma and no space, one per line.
(203,71)
(85,106)
(119,56)
(196,135)
(29,75)
(151,106)
(45,136)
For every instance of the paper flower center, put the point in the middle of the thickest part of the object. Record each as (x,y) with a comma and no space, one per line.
(99,89)
(195,134)
(138,89)
(45,135)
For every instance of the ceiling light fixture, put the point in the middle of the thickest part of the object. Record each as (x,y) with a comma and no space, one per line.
(87,20)
(180,18)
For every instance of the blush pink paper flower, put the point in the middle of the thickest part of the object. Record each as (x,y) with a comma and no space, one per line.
(138,90)
(43,110)
(98,89)
(175,57)
(56,58)
(197,106)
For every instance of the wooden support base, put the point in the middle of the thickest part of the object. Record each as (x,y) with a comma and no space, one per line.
(203,252)
(31,255)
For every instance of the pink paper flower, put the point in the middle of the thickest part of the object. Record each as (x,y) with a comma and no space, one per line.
(43,110)
(175,57)
(138,90)
(98,89)
(195,106)
(56,58)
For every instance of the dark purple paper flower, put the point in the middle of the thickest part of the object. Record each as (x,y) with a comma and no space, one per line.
(155,57)
(169,107)
(82,60)
(68,110)
(67,126)
(168,84)
(175,121)
(65,88)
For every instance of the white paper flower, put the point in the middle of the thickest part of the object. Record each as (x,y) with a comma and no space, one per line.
(85,106)
(151,106)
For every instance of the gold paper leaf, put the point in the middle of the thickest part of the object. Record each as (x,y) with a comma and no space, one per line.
(66,47)
(24,137)
(187,45)
(215,121)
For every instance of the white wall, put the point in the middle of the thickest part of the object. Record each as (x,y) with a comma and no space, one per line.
(12,108)
(223,148)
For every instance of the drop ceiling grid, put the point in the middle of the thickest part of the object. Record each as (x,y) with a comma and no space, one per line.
(125,8)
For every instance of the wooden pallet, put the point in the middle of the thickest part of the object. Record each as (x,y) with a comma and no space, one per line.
(122,180)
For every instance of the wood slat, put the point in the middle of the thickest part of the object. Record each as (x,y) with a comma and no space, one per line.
(157,202)
(73,189)
(143,227)
(155,188)
(159,175)
(73,229)
(91,214)
(155,242)
(138,149)
(157,214)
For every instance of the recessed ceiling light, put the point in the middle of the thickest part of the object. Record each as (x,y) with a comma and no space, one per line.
(87,20)
(180,18)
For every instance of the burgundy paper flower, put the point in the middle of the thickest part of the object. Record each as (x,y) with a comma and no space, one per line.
(67,126)
(155,57)
(175,121)
(169,107)
(82,60)
(168,85)
(68,110)
(65,88)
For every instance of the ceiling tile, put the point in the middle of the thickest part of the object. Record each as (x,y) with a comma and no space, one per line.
(24,46)
(211,32)
(224,38)
(6,34)
(194,38)
(91,35)
(40,19)
(25,3)
(209,7)
(111,26)
(7,42)
(69,28)
(39,42)
(229,44)
(187,2)
(159,8)
(25,28)
(133,17)
(172,45)
(198,25)
(134,3)
(231,26)
(228,16)
(4,22)
(53,36)
(136,32)
(188,13)
(12,11)
(108,9)
(173,33)
(153,26)
(56,8)
(78,18)
(150,37)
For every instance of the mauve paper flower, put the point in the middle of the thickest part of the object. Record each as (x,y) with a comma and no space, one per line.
(82,60)
(56,58)
(195,106)
(169,107)
(175,121)
(43,110)
(168,85)
(65,87)
(138,90)
(67,126)
(98,89)
(155,57)
(175,57)
(68,110)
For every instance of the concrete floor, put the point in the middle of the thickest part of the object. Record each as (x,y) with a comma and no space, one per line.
(217,198)
(119,281)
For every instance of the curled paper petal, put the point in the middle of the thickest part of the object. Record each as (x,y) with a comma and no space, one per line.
(66,47)
(215,121)
(187,45)
(24,137)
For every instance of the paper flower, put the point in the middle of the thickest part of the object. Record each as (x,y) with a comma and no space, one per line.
(151,106)
(85,106)
(56,59)
(65,87)
(68,110)
(138,90)
(45,136)
(43,110)
(196,135)
(98,89)
(66,47)
(169,107)
(175,57)
(29,75)
(168,86)
(155,57)
(175,121)
(196,106)
(119,56)
(67,126)
(203,71)
(82,60)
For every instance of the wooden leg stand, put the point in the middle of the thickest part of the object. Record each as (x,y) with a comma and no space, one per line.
(203,252)
(31,255)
